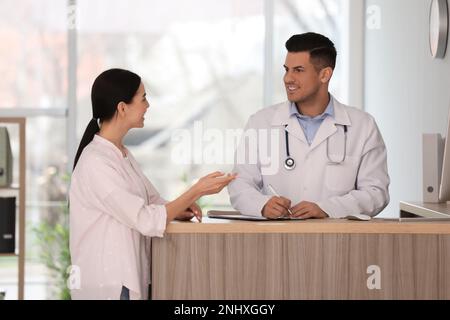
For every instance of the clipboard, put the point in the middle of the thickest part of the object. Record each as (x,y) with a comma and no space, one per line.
(236,215)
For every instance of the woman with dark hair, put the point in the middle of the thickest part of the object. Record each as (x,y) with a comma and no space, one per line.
(114,209)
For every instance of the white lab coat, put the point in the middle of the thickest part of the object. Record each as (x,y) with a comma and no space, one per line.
(114,210)
(358,185)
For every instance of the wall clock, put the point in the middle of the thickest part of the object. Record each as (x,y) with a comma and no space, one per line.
(438,28)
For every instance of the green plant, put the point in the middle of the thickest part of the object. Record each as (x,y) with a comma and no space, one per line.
(53,240)
(52,236)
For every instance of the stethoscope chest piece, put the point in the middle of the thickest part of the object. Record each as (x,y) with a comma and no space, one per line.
(289,164)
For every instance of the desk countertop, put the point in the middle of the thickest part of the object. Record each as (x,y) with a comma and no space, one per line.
(331,226)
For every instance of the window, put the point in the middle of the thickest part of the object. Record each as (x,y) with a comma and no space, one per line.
(34,54)
(198,65)
(33,42)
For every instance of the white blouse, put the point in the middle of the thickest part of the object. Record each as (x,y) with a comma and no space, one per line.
(114,209)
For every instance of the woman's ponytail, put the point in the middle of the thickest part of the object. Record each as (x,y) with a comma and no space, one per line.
(109,89)
(88,135)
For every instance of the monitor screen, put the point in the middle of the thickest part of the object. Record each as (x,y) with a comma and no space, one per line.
(444,190)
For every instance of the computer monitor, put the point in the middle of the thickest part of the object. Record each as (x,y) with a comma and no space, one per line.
(444,190)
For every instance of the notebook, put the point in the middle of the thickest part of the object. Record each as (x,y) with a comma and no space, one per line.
(236,215)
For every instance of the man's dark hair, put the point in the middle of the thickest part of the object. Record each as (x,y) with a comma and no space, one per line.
(321,49)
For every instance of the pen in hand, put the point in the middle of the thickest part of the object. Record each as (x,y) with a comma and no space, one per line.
(276,194)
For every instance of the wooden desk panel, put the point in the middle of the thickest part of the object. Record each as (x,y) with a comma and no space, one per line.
(221,261)
(374,226)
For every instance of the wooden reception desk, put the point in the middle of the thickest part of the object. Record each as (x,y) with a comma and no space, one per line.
(314,259)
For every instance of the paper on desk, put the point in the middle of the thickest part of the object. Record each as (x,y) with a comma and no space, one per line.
(358,217)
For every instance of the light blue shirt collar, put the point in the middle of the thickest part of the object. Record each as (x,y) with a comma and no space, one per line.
(329,111)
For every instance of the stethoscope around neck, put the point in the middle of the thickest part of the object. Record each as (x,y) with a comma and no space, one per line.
(290,164)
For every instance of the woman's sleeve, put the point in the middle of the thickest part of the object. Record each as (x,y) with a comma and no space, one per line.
(153,194)
(115,198)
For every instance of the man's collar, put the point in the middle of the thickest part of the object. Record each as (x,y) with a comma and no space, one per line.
(282,114)
(329,111)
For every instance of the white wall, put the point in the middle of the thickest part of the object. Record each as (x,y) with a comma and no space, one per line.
(405,90)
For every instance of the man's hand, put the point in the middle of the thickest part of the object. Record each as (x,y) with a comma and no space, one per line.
(276,207)
(189,213)
(307,210)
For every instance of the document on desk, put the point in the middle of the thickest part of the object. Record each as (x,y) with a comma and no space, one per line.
(236,215)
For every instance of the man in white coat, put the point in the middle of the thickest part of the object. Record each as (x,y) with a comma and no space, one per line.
(330,159)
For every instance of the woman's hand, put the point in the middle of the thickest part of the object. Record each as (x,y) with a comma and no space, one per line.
(210,184)
(213,183)
(189,213)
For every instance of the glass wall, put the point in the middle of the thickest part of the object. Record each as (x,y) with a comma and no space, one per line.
(33,46)
(33,68)
(200,61)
